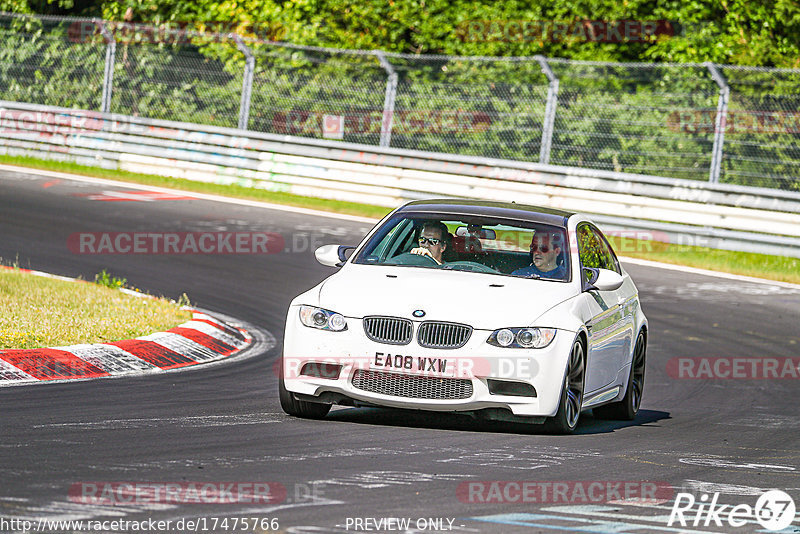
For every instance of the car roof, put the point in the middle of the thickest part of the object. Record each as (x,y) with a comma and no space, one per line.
(505,210)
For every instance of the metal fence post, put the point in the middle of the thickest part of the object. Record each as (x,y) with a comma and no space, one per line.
(247,82)
(549,110)
(108,72)
(720,123)
(388,100)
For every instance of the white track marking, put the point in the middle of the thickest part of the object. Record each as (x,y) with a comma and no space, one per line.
(698,486)
(765,421)
(383,479)
(726,463)
(200,421)
(67,511)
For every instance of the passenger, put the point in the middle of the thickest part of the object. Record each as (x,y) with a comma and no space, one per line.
(432,241)
(545,251)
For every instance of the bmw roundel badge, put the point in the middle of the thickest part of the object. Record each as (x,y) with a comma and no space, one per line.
(419,313)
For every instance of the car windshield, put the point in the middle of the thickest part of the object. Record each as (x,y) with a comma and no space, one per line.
(470,243)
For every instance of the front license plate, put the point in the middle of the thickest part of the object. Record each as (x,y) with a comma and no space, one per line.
(416,364)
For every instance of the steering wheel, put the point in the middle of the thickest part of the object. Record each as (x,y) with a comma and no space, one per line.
(407,258)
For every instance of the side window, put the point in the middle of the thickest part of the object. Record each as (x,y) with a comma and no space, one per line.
(588,247)
(391,244)
(593,249)
(611,258)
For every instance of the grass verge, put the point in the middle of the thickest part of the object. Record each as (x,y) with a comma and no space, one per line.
(780,268)
(40,312)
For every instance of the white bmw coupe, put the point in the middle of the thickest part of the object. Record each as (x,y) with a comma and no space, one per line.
(506,311)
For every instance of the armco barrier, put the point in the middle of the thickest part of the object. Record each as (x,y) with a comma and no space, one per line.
(679,211)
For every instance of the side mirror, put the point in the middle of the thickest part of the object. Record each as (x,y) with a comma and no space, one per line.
(607,280)
(332,255)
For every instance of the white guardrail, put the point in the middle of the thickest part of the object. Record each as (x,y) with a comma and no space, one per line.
(664,209)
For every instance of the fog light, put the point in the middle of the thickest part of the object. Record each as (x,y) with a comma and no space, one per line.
(510,388)
(321,370)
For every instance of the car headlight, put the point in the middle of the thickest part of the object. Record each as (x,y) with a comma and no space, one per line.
(322,319)
(522,338)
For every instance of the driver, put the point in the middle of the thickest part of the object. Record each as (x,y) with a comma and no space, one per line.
(432,241)
(545,248)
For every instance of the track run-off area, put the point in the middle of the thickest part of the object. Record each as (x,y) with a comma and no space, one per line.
(200,449)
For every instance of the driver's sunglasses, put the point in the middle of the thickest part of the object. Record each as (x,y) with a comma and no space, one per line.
(544,248)
(429,240)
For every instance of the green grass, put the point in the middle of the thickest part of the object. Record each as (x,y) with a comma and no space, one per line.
(781,268)
(758,265)
(40,312)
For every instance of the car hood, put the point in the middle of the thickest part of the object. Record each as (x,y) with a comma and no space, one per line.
(483,301)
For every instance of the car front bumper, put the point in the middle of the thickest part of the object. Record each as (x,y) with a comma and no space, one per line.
(477,362)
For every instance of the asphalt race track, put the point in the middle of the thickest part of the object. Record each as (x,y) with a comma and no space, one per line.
(223,424)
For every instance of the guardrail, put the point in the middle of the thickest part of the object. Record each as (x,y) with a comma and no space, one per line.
(667,209)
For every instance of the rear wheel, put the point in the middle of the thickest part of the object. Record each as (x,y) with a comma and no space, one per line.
(298,408)
(569,408)
(627,408)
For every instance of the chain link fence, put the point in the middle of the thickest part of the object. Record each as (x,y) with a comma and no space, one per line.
(716,123)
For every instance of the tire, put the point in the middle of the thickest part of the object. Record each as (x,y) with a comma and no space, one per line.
(298,408)
(627,408)
(569,407)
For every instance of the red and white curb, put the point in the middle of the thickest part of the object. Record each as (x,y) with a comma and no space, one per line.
(203,339)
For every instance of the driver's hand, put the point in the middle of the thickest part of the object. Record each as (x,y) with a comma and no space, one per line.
(422,251)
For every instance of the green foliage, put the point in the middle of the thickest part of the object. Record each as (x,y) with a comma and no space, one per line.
(40,63)
(104,278)
(174,82)
(746,32)
(651,120)
(183,301)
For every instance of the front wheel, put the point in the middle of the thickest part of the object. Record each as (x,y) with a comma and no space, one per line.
(298,408)
(627,408)
(569,407)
